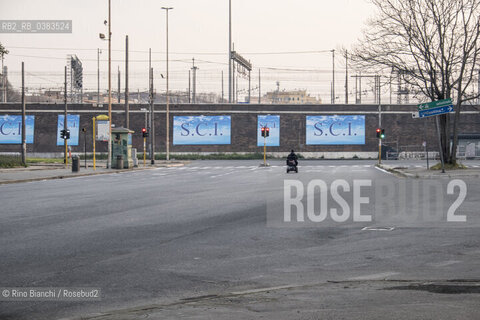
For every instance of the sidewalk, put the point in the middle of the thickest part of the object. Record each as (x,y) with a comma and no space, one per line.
(423,173)
(38,172)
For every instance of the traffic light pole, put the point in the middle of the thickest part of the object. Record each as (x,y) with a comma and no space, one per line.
(144,151)
(379,121)
(65,143)
(85,145)
(265,151)
(94,164)
(380,151)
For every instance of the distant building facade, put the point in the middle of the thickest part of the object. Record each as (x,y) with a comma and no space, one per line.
(290,97)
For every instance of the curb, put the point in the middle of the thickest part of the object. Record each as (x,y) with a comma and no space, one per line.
(431,175)
(395,172)
(89,174)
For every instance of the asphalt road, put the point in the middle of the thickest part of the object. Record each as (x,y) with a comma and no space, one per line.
(155,237)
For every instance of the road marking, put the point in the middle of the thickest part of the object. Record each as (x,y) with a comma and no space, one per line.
(222,175)
(383,170)
(444,263)
(263,290)
(375,276)
(378,228)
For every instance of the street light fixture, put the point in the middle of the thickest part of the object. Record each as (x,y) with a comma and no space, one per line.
(167,142)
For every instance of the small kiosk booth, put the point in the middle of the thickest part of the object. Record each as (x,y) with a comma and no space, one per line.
(122,148)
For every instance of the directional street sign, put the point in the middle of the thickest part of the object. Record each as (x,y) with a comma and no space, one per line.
(435,108)
(435,104)
(435,111)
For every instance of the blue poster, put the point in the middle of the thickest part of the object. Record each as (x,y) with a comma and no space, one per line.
(11,129)
(273,123)
(335,130)
(73,125)
(200,130)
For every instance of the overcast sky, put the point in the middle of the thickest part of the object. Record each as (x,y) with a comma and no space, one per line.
(197,28)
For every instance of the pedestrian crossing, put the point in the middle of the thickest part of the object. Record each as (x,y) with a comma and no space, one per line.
(224,171)
(197,168)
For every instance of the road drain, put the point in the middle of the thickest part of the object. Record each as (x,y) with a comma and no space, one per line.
(378,228)
(440,288)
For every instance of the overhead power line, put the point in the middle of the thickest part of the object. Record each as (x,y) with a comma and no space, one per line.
(194,53)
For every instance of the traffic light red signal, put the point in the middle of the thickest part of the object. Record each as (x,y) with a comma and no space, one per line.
(144,132)
(380,133)
(265,132)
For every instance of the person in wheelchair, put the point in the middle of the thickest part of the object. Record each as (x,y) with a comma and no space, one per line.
(292,159)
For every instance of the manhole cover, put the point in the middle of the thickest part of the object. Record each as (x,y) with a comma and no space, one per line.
(378,228)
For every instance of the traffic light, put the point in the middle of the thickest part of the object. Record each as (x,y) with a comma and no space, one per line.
(65,134)
(265,132)
(379,132)
(144,132)
(382,134)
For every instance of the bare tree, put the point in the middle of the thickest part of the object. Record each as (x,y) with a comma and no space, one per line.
(3,51)
(433,45)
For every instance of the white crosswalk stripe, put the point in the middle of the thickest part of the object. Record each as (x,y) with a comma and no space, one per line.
(225,170)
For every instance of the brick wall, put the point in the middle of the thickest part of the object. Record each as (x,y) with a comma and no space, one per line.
(397,121)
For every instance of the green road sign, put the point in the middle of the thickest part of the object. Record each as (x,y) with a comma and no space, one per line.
(435,104)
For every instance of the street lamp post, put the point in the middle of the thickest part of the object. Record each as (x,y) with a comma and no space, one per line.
(167,142)
(98,76)
(109,161)
(229,51)
(109,39)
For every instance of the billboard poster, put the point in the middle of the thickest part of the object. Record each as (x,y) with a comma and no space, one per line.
(73,124)
(102,131)
(201,130)
(11,129)
(335,130)
(273,123)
